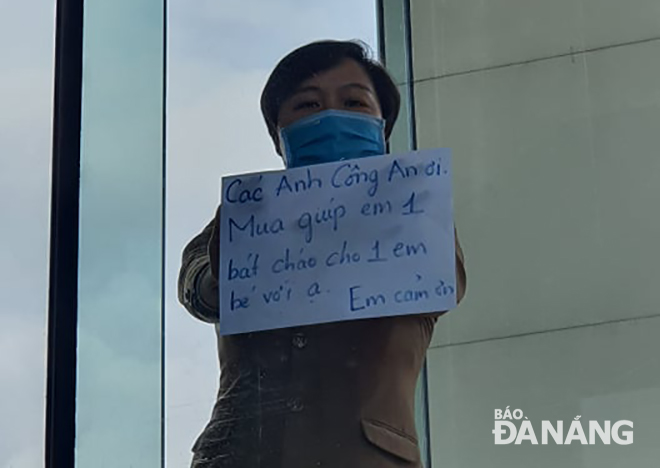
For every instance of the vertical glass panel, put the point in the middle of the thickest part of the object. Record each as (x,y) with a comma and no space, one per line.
(553,139)
(394,34)
(395,41)
(26,83)
(400,141)
(121,235)
(220,55)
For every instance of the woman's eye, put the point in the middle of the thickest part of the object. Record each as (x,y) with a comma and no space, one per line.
(355,103)
(305,105)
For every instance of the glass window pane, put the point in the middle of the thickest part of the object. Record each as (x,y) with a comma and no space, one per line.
(218,65)
(26,84)
(121,235)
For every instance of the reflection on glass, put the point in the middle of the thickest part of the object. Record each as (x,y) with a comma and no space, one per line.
(551,110)
(197,290)
(337,394)
(26,102)
(120,283)
(218,64)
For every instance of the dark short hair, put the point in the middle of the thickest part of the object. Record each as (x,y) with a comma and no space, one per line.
(308,60)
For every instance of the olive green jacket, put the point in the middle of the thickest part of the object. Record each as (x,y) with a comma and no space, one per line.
(337,395)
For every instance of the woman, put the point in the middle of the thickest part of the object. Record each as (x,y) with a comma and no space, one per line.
(338,395)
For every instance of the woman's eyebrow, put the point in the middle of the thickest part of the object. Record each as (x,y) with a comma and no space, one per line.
(317,89)
(305,89)
(359,86)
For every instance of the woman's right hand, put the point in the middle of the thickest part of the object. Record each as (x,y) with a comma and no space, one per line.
(214,246)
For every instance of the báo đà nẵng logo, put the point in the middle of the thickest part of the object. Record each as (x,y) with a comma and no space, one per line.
(513,427)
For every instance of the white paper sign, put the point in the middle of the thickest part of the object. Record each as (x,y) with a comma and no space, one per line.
(353,239)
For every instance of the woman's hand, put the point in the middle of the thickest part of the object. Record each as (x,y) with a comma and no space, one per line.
(214,246)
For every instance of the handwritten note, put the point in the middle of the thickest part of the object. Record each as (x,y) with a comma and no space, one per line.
(353,239)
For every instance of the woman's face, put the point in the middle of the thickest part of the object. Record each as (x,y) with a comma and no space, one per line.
(344,87)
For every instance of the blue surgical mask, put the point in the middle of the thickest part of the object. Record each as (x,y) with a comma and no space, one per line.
(332,135)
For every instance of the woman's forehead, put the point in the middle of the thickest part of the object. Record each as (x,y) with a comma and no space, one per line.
(346,73)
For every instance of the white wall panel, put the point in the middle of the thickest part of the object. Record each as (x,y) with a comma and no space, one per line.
(605,372)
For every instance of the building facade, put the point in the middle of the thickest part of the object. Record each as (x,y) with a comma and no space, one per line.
(551,110)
